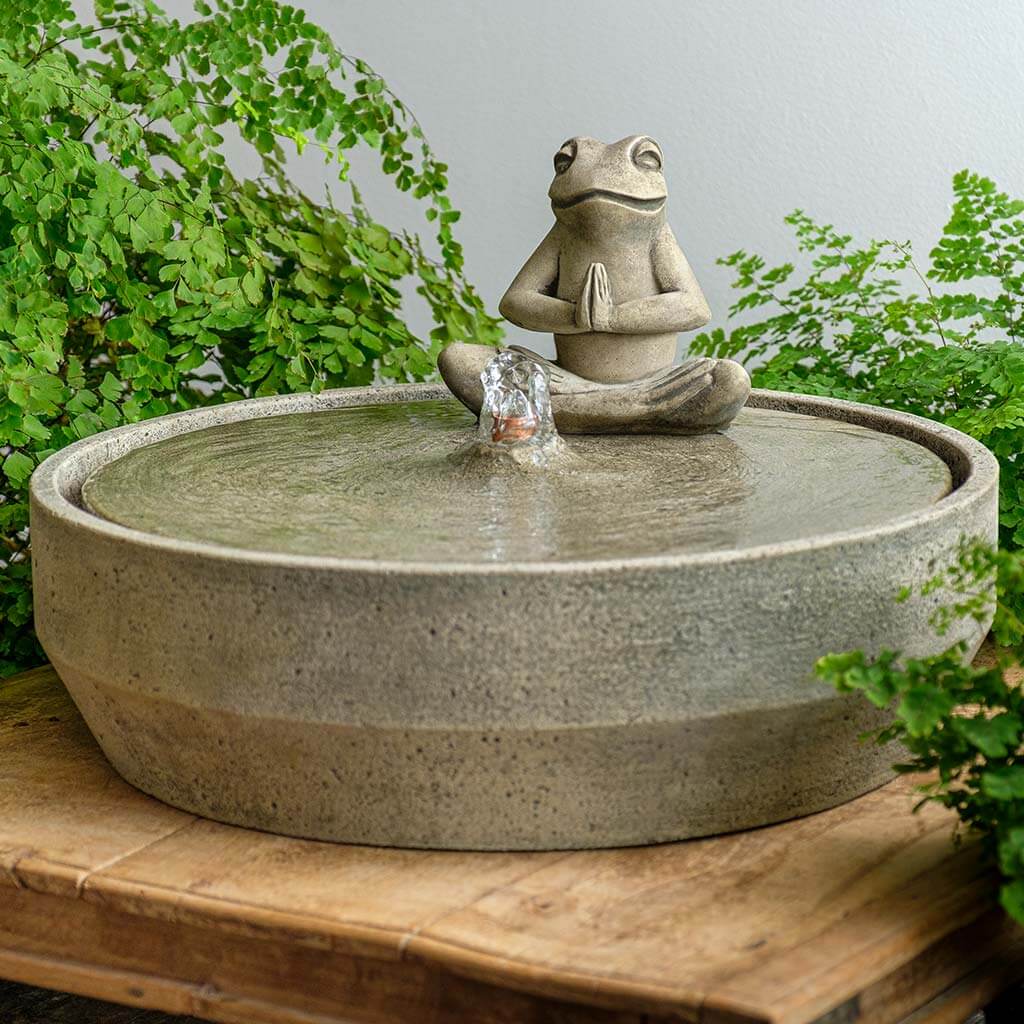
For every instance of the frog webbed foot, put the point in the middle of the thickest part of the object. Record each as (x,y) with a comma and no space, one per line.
(678,384)
(700,393)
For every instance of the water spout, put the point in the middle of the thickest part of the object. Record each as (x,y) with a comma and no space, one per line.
(516,422)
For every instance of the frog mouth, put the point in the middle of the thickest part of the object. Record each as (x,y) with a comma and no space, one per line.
(615,197)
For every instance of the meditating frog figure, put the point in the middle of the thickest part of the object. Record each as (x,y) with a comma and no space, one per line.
(610,282)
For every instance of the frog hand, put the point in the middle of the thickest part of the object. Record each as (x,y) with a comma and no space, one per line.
(583,302)
(600,298)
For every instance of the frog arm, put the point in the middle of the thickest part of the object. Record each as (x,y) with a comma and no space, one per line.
(679,306)
(530,301)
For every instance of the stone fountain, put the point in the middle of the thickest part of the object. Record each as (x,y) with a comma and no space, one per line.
(576,605)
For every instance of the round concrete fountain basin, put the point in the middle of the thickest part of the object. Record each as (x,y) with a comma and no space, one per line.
(307,615)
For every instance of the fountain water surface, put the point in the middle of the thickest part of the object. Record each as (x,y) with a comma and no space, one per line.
(386,482)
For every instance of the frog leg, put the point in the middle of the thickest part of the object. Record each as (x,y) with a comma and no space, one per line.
(700,394)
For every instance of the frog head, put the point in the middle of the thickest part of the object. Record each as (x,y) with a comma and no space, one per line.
(618,182)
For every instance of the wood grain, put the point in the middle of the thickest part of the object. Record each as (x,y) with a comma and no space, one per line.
(866,912)
(59,798)
(189,969)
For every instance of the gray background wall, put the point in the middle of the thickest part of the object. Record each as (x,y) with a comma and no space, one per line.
(858,111)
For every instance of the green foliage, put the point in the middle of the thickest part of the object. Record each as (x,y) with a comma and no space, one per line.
(865,323)
(139,274)
(964,724)
(850,328)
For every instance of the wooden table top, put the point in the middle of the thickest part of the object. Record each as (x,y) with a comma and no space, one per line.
(865,912)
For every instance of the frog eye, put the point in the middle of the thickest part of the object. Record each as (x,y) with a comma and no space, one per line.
(565,156)
(647,156)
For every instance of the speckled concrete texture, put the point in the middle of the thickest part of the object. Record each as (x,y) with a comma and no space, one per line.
(486,706)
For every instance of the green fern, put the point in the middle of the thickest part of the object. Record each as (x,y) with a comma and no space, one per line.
(865,323)
(140,273)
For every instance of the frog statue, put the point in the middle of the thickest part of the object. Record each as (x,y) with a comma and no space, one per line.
(610,282)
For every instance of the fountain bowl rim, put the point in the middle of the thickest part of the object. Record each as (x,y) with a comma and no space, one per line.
(55,486)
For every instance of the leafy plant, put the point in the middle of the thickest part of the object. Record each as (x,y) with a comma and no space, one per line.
(141,273)
(866,323)
(965,724)
(850,327)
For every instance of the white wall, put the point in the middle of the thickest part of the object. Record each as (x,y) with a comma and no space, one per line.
(857,111)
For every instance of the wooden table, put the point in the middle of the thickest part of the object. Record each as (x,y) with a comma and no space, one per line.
(863,913)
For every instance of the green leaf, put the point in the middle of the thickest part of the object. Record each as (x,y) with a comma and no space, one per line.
(110,387)
(165,303)
(252,291)
(1005,783)
(922,708)
(18,468)
(994,737)
(119,329)
(32,426)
